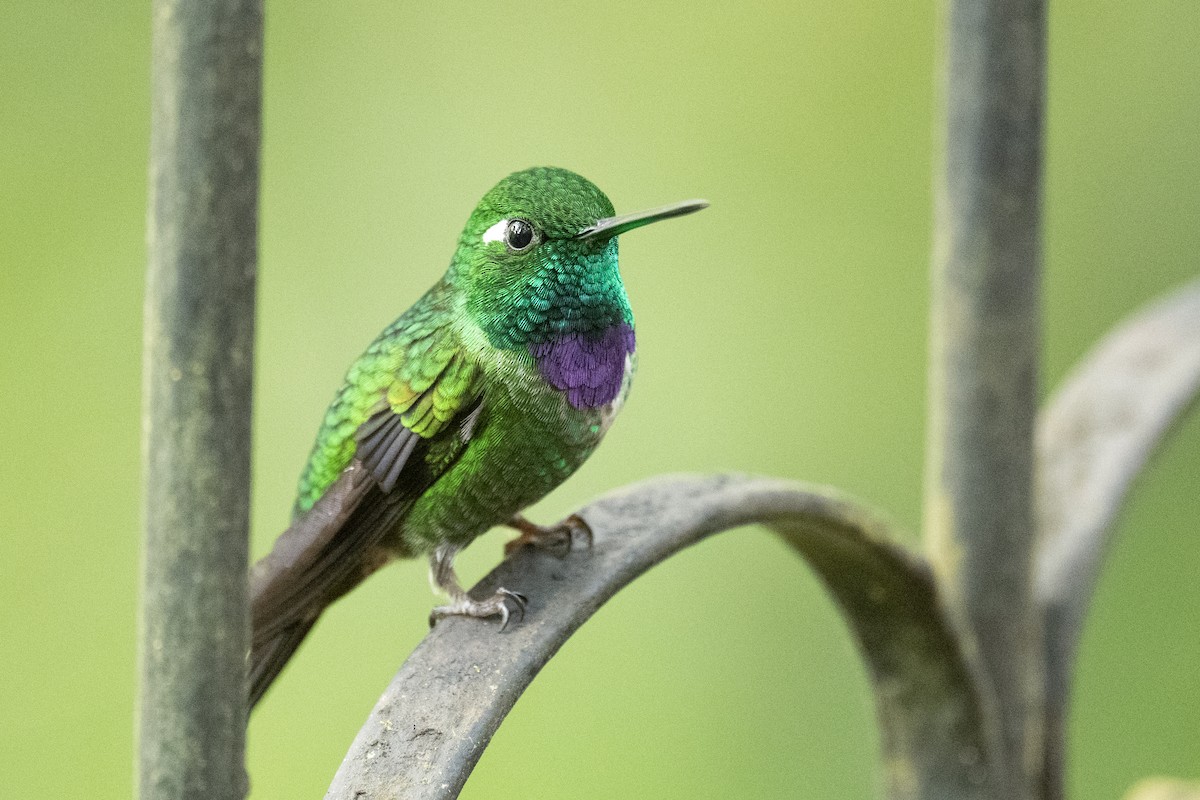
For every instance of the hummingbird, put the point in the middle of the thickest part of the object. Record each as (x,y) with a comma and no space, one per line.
(486,394)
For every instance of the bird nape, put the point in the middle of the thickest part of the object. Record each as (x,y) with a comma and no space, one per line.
(485,395)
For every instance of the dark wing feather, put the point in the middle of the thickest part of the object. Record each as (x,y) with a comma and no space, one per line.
(385,445)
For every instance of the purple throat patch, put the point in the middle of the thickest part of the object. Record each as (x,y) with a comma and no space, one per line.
(589,367)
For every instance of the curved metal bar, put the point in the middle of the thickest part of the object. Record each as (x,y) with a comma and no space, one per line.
(432,724)
(1094,438)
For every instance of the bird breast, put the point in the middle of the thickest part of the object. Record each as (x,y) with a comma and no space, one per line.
(590,368)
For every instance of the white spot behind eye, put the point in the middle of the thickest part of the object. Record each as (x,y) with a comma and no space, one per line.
(496,232)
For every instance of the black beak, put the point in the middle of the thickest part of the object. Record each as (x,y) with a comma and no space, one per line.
(612,226)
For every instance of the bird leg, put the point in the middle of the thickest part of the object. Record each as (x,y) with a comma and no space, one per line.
(441,575)
(557,539)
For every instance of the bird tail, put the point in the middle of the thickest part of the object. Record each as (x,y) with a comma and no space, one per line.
(325,553)
(267,659)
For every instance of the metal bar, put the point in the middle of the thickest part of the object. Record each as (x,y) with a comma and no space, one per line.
(979,518)
(1094,439)
(198,363)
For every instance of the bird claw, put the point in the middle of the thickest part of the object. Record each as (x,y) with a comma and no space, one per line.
(558,539)
(495,606)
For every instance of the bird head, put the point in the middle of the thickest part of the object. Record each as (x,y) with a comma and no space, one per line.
(538,257)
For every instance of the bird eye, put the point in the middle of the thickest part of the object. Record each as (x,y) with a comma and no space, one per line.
(519,235)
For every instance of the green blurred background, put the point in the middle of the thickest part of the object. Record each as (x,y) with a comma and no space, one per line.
(782,331)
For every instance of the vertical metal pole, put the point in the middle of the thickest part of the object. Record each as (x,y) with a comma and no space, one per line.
(979,516)
(198,369)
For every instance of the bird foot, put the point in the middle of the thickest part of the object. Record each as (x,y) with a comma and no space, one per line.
(557,539)
(495,606)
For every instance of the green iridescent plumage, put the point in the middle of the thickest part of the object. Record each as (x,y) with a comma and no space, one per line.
(413,355)
(481,398)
